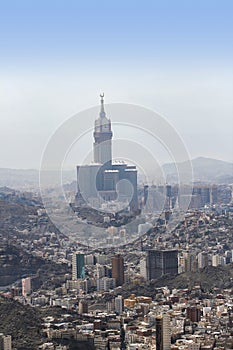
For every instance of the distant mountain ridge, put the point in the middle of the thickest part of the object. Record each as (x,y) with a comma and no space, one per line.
(28,179)
(204,170)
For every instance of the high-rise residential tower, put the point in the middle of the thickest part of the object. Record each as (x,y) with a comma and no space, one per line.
(118,269)
(119,304)
(163,332)
(26,286)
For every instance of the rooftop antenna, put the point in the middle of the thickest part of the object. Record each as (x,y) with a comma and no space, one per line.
(102,112)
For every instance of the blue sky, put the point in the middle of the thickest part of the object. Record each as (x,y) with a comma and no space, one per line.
(80,31)
(172,56)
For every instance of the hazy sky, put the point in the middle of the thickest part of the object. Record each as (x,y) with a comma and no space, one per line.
(174,57)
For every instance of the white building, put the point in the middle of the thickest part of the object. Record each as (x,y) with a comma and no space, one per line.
(143,268)
(100,271)
(202,259)
(26,286)
(215,260)
(143,228)
(5,342)
(106,283)
(119,304)
(89,259)
(102,259)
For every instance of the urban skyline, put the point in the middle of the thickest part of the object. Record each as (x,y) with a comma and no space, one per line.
(116,218)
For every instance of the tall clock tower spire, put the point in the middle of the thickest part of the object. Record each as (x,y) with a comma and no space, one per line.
(102,137)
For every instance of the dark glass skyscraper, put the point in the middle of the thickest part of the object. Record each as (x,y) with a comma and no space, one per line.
(161,262)
(78,266)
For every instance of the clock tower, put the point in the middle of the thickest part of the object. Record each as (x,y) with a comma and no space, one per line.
(103,137)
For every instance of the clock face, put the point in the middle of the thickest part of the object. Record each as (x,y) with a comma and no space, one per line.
(105,127)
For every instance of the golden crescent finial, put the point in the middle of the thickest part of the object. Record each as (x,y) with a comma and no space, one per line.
(102,95)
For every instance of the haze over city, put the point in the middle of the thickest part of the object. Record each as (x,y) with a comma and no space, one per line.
(172,57)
